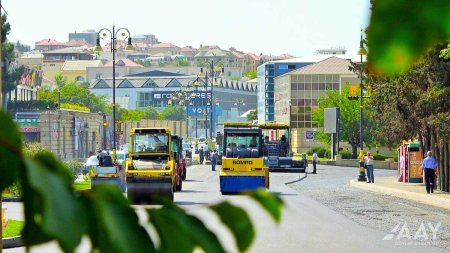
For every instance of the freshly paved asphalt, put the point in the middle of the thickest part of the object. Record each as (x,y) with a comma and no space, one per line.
(307,225)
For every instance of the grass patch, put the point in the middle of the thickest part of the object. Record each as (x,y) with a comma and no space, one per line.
(13,229)
(7,195)
(82,185)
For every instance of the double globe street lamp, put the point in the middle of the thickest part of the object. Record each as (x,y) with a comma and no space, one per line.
(210,79)
(113,34)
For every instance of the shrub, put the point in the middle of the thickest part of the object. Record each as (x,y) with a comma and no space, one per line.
(380,157)
(75,168)
(345,154)
(321,152)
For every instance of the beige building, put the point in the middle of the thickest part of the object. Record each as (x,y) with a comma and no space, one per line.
(75,70)
(302,89)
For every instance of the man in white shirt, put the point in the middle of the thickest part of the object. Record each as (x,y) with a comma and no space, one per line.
(315,159)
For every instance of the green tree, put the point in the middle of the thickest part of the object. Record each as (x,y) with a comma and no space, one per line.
(145,63)
(349,119)
(251,74)
(252,115)
(9,78)
(21,47)
(150,113)
(173,113)
(71,92)
(182,63)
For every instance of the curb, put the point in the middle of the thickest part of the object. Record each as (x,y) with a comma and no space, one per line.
(428,199)
(11,199)
(12,242)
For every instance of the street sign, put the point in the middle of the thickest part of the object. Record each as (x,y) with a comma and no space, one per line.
(309,135)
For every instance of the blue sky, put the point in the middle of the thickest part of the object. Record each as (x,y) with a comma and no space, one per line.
(272,27)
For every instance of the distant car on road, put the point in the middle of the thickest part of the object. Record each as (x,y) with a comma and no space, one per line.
(121,156)
(187,148)
(91,161)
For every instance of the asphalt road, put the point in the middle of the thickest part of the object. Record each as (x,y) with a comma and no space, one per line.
(309,222)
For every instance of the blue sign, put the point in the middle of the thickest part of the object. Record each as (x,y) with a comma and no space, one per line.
(309,135)
(199,111)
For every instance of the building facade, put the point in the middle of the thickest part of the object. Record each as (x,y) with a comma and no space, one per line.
(89,36)
(267,73)
(297,94)
(230,99)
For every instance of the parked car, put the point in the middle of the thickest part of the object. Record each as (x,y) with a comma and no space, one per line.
(187,148)
(91,161)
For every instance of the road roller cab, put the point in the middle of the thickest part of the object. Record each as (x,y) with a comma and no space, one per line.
(107,171)
(150,168)
(242,159)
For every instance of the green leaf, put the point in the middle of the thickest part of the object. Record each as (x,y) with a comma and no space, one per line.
(10,151)
(270,202)
(180,232)
(401,31)
(114,224)
(51,208)
(239,223)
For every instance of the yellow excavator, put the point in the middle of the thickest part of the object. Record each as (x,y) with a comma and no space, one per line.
(150,169)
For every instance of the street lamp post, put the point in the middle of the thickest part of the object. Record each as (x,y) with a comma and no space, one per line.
(103,129)
(211,99)
(49,130)
(113,35)
(362,51)
(238,103)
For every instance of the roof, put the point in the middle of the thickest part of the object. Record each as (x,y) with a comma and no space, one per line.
(77,43)
(168,81)
(212,53)
(331,65)
(320,57)
(188,49)
(124,63)
(80,64)
(48,42)
(157,73)
(67,50)
(164,45)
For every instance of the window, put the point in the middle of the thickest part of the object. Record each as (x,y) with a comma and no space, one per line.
(98,76)
(283,66)
(79,79)
(291,66)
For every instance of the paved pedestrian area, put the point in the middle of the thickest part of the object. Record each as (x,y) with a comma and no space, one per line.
(411,191)
(332,186)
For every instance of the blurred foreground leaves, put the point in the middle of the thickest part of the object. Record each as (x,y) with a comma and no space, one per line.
(402,31)
(53,211)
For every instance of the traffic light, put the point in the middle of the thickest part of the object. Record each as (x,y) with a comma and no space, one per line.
(105,123)
(353,97)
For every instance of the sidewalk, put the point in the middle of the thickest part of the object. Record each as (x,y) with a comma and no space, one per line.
(410,191)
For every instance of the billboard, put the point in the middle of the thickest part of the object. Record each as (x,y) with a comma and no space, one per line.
(331,120)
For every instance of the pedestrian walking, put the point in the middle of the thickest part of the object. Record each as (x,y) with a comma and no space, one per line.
(201,154)
(430,169)
(368,163)
(213,159)
(315,159)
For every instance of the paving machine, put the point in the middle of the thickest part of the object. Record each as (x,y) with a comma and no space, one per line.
(242,159)
(107,172)
(150,169)
(277,149)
